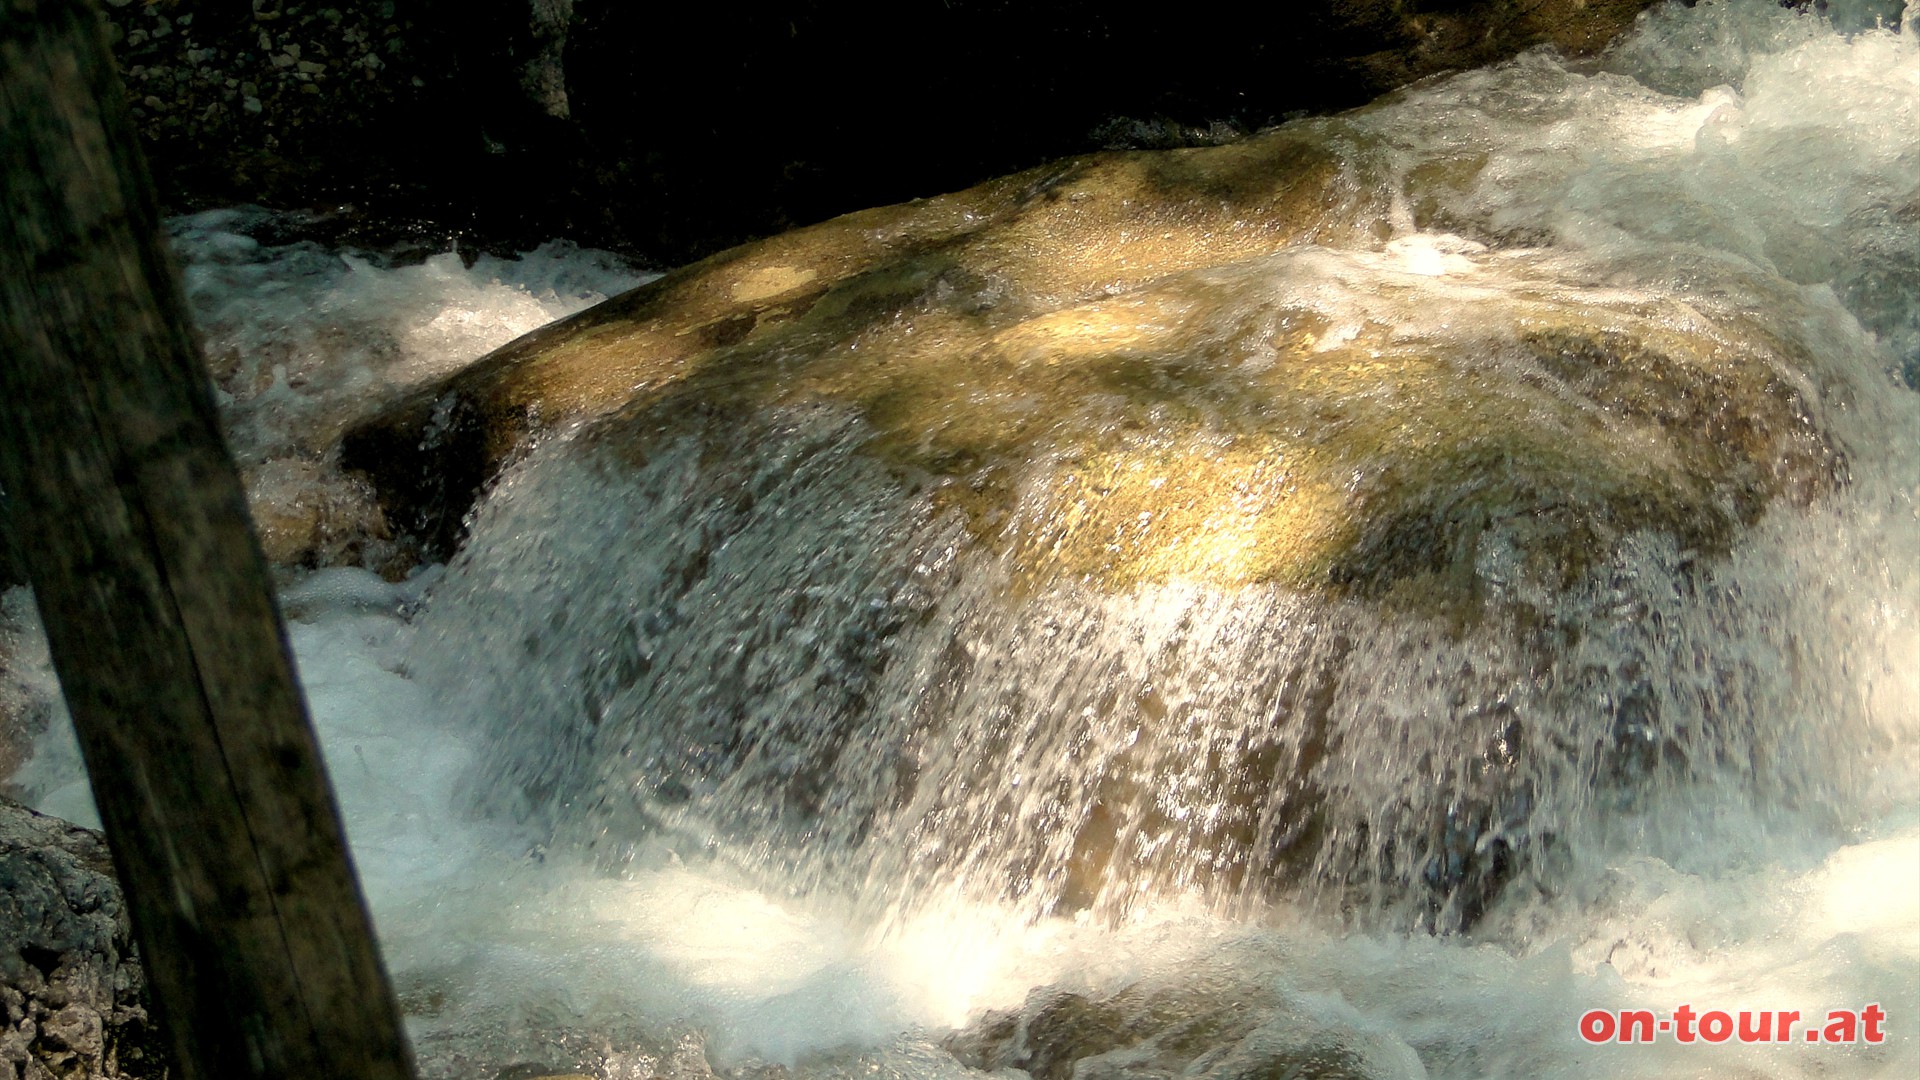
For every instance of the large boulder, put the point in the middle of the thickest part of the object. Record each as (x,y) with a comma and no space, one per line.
(1203,364)
(1155,473)
(1325,511)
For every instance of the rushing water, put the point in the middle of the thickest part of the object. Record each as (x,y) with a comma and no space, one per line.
(828,832)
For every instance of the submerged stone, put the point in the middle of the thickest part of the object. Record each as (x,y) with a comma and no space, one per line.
(1213,1024)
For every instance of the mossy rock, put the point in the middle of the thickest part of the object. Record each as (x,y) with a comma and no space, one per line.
(1195,365)
(990,257)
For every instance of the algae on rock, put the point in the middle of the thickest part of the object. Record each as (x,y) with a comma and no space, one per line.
(1202,364)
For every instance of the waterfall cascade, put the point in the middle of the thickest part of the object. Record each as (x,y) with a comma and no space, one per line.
(1358,655)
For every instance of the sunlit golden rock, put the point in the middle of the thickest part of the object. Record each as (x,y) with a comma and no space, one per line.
(305,515)
(1195,365)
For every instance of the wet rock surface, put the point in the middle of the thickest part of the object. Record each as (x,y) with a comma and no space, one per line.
(73,992)
(309,322)
(1204,364)
(1210,1025)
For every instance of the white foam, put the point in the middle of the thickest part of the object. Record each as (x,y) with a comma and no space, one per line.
(1737,129)
(302,339)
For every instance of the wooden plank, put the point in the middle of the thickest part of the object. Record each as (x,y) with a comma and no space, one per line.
(133,529)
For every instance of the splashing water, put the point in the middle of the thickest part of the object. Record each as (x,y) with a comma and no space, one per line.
(768,785)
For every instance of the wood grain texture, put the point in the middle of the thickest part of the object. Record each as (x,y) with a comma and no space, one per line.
(131,523)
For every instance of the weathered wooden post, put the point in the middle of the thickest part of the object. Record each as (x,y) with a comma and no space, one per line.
(133,529)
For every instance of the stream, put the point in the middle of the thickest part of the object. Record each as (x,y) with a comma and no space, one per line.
(654,781)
